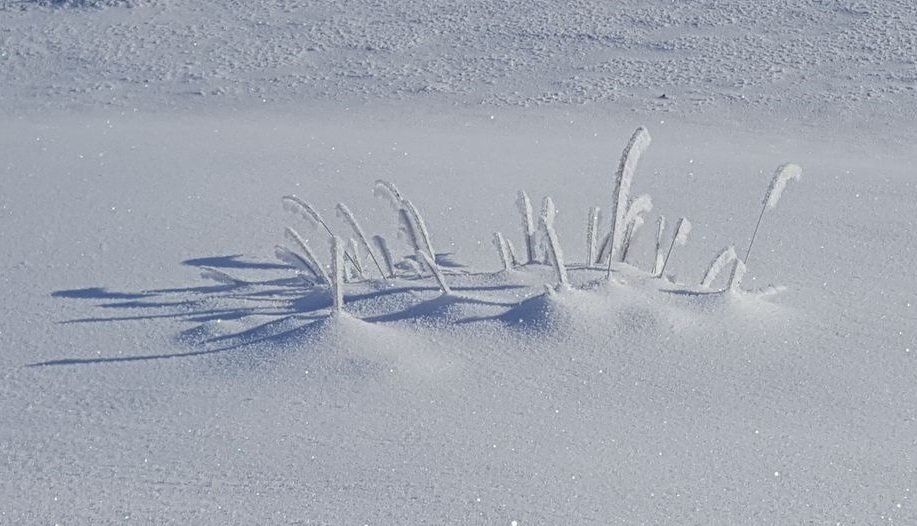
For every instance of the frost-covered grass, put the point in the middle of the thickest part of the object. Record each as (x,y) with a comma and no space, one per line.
(543,246)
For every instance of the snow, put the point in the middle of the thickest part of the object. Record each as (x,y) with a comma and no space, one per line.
(158,364)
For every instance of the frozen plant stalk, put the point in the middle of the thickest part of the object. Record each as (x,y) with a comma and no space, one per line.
(620,195)
(660,257)
(528,225)
(631,233)
(410,220)
(738,272)
(592,226)
(408,229)
(421,227)
(293,204)
(354,252)
(782,176)
(386,255)
(548,212)
(633,220)
(502,249)
(437,274)
(308,259)
(296,205)
(337,271)
(348,216)
(293,259)
(719,263)
(512,252)
(680,238)
(389,191)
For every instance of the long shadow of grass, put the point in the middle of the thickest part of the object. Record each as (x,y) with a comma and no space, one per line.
(290,306)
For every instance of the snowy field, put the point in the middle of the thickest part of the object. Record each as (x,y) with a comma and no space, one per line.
(160,365)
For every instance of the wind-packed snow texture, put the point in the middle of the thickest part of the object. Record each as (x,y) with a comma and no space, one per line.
(160,365)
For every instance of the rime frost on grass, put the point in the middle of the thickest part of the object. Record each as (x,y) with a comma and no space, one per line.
(542,244)
(738,272)
(620,194)
(782,176)
(592,226)
(528,225)
(680,238)
(556,255)
(410,221)
(659,259)
(349,218)
(437,273)
(337,272)
(414,266)
(293,259)
(382,246)
(408,230)
(297,206)
(308,258)
(311,216)
(503,250)
(421,228)
(353,254)
(681,233)
(634,219)
(512,252)
(388,191)
(717,265)
(631,233)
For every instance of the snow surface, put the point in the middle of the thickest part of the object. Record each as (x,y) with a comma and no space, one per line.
(158,365)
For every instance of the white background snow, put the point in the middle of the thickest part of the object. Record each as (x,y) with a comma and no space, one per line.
(141,141)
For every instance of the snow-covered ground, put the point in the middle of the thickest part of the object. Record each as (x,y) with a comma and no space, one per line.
(144,151)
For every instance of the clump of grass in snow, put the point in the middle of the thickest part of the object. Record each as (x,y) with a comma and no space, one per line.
(629,215)
(410,221)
